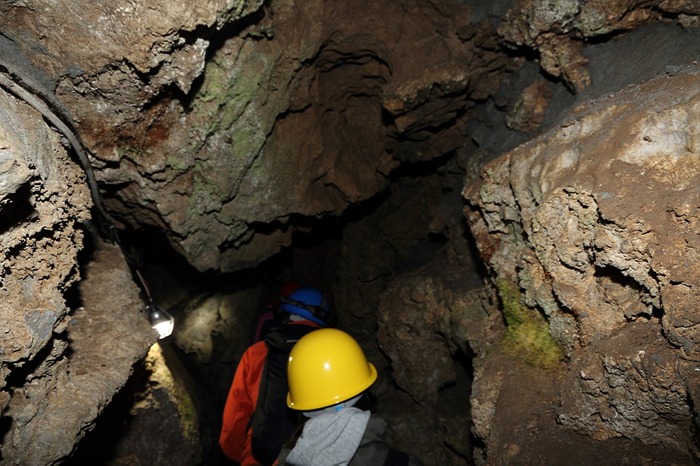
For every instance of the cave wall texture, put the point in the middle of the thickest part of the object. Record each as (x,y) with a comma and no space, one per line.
(569,130)
(598,240)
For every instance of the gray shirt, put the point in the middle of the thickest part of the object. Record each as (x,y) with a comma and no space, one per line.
(348,437)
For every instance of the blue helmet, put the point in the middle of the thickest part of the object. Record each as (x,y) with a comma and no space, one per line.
(310,304)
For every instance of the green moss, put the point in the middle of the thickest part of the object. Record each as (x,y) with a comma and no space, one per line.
(527,333)
(228,91)
(229,101)
(128,152)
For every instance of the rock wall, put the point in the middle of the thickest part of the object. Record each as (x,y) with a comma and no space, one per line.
(61,362)
(558,32)
(43,198)
(231,125)
(40,219)
(595,222)
(431,323)
(201,120)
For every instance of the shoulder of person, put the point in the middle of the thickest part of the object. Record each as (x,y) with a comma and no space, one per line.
(255,352)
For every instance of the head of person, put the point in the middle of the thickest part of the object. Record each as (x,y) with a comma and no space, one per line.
(308,304)
(284,292)
(327,370)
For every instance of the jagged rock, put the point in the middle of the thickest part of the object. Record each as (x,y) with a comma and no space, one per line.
(56,374)
(211,151)
(529,110)
(594,222)
(557,31)
(633,386)
(425,319)
(83,364)
(43,199)
(153,419)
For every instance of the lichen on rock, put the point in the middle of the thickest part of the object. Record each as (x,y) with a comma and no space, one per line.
(527,334)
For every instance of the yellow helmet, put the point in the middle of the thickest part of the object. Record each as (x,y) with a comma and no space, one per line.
(326,367)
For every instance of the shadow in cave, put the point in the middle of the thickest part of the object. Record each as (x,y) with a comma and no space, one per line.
(21,374)
(17,208)
(694,409)
(99,445)
(5,426)
(313,258)
(454,403)
(181,289)
(151,420)
(626,292)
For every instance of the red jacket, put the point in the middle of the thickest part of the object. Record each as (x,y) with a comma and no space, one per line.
(235,438)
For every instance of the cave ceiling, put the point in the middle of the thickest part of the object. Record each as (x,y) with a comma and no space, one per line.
(229,125)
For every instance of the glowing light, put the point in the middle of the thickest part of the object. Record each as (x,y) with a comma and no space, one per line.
(161,321)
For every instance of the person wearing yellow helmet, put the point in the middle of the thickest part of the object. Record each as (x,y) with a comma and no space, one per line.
(256,421)
(328,373)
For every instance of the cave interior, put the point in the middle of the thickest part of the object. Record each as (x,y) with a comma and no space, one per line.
(501,199)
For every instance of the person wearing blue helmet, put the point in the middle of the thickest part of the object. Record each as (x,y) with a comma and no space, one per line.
(309,304)
(256,419)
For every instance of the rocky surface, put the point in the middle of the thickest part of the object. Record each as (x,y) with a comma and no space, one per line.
(593,222)
(232,128)
(204,135)
(159,399)
(431,323)
(557,32)
(61,362)
(56,395)
(43,198)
